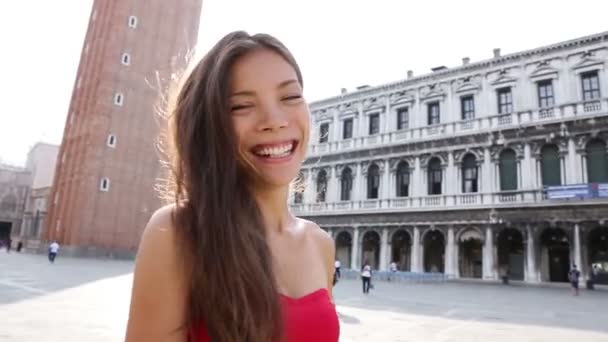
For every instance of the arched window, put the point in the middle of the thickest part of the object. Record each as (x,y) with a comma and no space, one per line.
(469,174)
(373,181)
(597,162)
(403,180)
(508,170)
(435,177)
(321,186)
(346,184)
(550,165)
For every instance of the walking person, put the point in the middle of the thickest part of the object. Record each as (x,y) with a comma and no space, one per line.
(53,250)
(9,245)
(337,266)
(366,277)
(393,270)
(226,260)
(574,275)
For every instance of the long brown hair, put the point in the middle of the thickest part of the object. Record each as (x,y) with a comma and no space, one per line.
(228,264)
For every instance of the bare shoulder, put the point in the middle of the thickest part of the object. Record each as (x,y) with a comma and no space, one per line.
(158,294)
(321,237)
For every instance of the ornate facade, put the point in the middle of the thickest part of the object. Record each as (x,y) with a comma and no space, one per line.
(448,172)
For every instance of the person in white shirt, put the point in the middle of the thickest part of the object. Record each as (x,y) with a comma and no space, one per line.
(337,265)
(366,277)
(393,269)
(53,250)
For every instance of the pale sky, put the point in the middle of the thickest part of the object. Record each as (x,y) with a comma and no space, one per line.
(337,44)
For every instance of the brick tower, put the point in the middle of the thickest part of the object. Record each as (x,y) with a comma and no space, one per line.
(103,190)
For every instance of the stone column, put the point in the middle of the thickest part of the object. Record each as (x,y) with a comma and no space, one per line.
(531,273)
(449,253)
(416,182)
(573,175)
(332,186)
(386,181)
(309,190)
(528,168)
(415,251)
(487,179)
(383,249)
(450,178)
(577,249)
(488,256)
(357,191)
(354,257)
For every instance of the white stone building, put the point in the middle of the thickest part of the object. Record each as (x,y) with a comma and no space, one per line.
(448,171)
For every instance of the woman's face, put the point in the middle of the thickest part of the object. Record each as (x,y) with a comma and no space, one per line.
(270,116)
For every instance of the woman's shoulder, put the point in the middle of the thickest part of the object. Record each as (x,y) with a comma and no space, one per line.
(320,237)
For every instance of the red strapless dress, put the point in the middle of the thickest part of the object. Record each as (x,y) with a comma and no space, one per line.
(311,318)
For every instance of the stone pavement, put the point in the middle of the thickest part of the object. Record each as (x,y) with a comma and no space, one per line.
(87,300)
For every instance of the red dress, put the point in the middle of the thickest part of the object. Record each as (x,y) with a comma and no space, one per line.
(311,318)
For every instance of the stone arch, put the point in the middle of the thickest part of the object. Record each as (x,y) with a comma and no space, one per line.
(554,254)
(344,247)
(510,246)
(434,243)
(470,247)
(370,248)
(401,244)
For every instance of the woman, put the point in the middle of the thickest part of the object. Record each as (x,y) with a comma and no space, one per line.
(366,277)
(227,261)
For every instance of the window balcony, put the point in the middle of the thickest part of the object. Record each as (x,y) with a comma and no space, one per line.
(494,122)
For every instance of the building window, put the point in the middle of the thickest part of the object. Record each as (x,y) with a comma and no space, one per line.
(545,94)
(403,180)
(118,99)
(467,107)
(111,141)
(324,133)
(298,196)
(433,113)
(469,174)
(435,175)
(374,124)
(373,181)
(126,59)
(550,165)
(403,118)
(321,186)
(347,129)
(104,185)
(508,170)
(505,100)
(591,85)
(346,184)
(133,21)
(597,162)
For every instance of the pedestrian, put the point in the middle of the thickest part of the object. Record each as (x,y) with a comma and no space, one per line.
(214,263)
(9,245)
(19,246)
(366,277)
(393,270)
(337,266)
(53,250)
(573,275)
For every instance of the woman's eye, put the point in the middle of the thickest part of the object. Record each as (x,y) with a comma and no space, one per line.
(292,97)
(239,107)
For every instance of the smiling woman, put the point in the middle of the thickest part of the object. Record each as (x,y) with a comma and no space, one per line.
(227,261)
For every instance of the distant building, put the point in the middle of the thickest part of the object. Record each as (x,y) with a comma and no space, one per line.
(490,168)
(41,162)
(14,189)
(103,191)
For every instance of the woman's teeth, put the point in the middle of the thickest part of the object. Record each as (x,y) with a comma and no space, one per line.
(276,151)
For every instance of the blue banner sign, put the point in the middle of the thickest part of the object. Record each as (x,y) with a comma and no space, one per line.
(577,191)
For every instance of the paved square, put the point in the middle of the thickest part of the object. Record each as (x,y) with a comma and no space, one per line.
(87,300)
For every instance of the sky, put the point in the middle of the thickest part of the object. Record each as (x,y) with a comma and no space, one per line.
(338,44)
